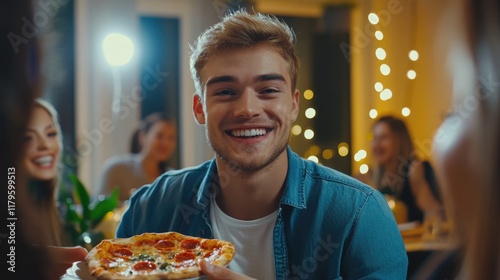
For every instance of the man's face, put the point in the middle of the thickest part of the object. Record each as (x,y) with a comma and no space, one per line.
(247,107)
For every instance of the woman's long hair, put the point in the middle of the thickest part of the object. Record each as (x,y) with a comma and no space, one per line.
(144,128)
(43,193)
(405,153)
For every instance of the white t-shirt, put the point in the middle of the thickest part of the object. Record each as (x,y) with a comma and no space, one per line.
(253,241)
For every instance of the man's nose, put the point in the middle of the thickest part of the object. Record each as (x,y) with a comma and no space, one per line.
(248,105)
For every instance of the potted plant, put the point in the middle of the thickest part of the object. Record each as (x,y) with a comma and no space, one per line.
(83,215)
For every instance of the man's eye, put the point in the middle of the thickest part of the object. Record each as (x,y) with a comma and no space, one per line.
(270,90)
(52,134)
(224,92)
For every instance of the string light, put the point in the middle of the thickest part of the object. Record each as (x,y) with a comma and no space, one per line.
(363,169)
(386,94)
(373,18)
(327,154)
(411,74)
(296,129)
(310,113)
(343,149)
(308,94)
(385,69)
(413,55)
(309,134)
(361,154)
(405,111)
(379,35)
(379,86)
(373,113)
(313,158)
(380,53)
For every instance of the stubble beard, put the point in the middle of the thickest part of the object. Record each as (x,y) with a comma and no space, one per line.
(248,166)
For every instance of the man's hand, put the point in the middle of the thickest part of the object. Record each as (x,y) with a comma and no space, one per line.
(215,272)
(62,258)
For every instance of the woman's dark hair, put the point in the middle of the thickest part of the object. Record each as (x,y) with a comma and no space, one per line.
(146,125)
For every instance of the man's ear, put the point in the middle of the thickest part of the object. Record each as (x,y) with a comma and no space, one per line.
(198,112)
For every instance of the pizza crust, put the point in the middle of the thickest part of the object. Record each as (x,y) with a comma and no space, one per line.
(118,258)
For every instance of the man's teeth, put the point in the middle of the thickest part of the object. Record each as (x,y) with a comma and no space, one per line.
(45,160)
(248,132)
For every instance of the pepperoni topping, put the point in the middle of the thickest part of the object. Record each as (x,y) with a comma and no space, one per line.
(184,256)
(164,244)
(144,266)
(122,252)
(189,243)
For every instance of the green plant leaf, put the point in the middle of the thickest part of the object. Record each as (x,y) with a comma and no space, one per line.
(83,196)
(71,214)
(100,210)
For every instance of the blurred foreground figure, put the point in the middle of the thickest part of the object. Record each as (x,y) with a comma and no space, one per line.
(24,252)
(468,142)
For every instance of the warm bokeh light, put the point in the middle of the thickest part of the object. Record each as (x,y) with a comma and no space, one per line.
(361,154)
(118,49)
(314,150)
(386,94)
(385,69)
(308,94)
(363,169)
(379,86)
(413,55)
(310,113)
(313,158)
(309,134)
(373,18)
(391,203)
(379,35)
(405,111)
(327,154)
(343,149)
(380,53)
(373,113)
(296,129)
(411,74)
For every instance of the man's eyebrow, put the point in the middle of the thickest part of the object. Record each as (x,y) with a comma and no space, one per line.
(220,79)
(269,77)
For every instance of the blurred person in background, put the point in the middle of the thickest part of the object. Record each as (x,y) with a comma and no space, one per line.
(398,172)
(157,140)
(467,145)
(19,86)
(42,148)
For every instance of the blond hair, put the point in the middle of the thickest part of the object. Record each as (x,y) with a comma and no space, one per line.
(45,201)
(239,30)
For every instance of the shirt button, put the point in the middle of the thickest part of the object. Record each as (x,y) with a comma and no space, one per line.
(202,232)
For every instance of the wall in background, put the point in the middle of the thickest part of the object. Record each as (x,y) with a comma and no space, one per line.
(406,25)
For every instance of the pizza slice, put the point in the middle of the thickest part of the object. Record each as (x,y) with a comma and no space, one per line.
(169,255)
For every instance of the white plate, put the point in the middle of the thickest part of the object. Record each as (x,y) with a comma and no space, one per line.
(80,271)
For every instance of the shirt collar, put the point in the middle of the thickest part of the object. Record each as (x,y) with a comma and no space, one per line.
(293,188)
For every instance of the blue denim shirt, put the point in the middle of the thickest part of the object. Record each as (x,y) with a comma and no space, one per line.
(329,225)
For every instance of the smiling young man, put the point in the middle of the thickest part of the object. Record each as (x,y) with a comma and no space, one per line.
(289,218)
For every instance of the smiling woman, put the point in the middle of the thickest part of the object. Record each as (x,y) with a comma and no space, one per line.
(42,145)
